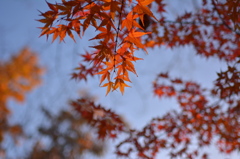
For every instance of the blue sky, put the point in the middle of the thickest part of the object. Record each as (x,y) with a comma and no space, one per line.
(138,105)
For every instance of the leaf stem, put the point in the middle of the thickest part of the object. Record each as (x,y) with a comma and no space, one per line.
(118,30)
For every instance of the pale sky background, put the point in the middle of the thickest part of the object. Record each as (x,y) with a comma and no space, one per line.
(138,105)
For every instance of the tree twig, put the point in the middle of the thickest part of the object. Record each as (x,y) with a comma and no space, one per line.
(223,21)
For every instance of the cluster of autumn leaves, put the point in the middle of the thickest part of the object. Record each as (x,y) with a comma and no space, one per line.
(18,76)
(199,122)
(122,27)
(70,137)
(117,31)
(120,31)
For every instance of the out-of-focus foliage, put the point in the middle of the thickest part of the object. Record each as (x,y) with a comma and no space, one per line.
(18,76)
(69,136)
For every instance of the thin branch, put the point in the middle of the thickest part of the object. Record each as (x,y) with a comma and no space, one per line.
(189,22)
(118,30)
(224,22)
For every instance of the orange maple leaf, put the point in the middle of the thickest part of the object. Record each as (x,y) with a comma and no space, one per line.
(109,86)
(120,84)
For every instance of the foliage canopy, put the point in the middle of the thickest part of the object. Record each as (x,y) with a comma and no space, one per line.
(18,76)
(124,26)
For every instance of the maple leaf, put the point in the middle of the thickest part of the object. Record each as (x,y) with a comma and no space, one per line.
(75,24)
(105,34)
(113,6)
(109,85)
(130,22)
(120,84)
(135,34)
(87,57)
(52,7)
(129,66)
(141,8)
(105,74)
